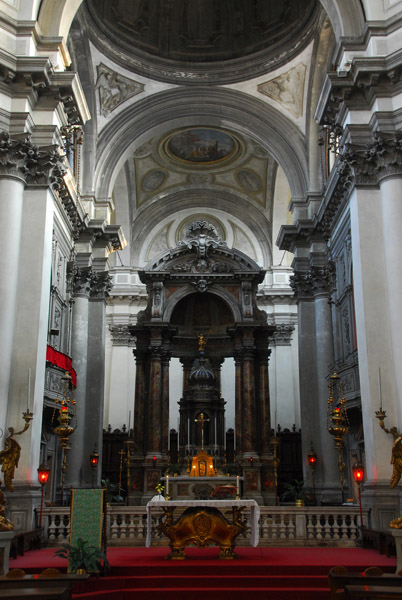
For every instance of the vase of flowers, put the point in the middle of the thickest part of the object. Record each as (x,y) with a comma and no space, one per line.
(159,496)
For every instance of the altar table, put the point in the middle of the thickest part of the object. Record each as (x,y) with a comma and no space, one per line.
(215,505)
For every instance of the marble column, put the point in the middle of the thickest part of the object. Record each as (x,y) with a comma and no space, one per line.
(187,365)
(238,357)
(307,372)
(165,401)
(30,339)
(12,183)
(330,475)
(79,353)
(373,330)
(94,408)
(391,193)
(139,403)
(264,401)
(154,442)
(249,433)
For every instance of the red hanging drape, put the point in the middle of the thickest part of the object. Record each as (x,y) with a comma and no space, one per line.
(61,360)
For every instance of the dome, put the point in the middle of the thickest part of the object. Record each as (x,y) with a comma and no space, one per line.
(196,39)
(201,372)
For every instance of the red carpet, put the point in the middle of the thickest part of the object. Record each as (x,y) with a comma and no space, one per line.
(260,573)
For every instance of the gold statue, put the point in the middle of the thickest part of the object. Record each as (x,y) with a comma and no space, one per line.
(396,461)
(9,458)
(202,342)
(5,524)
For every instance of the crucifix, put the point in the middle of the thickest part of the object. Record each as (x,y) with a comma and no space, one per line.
(202,420)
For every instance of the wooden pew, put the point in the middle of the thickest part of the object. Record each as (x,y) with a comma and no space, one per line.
(17,580)
(36,593)
(339,578)
(369,592)
(26,540)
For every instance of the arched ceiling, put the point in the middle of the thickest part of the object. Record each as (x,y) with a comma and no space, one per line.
(201,40)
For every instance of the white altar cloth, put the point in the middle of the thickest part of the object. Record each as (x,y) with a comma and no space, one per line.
(219,504)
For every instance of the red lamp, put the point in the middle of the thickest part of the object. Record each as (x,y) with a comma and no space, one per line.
(358,474)
(94,459)
(43,476)
(154,461)
(312,461)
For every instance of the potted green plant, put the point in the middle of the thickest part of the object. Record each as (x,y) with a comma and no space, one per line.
(294,492)
(83,558)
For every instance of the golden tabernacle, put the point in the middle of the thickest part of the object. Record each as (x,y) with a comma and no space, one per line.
(202,465)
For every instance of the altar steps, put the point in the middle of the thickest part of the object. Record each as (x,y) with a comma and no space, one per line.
(178,584)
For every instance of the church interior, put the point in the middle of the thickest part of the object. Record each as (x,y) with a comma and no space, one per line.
(200,290)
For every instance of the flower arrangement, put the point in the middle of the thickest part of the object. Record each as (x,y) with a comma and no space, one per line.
(159,488)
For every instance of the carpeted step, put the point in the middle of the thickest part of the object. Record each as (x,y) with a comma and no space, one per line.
(192,593)
(201,582)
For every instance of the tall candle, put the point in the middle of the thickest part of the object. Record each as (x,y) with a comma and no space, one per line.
(167,485)
(29,388)
(238,485)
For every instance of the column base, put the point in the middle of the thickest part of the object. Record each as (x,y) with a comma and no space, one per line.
(5,544)
(21,505)
(384,502)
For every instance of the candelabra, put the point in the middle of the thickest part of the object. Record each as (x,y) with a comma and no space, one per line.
(65,406)
(337,421)
(129,444)
(275,443)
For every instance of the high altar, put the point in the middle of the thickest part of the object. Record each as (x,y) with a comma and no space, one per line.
(202,308)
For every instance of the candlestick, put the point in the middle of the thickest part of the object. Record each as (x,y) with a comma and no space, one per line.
(238,486)
(167,487)
(379,379)
(29,388)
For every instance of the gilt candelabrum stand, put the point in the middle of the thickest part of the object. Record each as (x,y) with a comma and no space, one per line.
(275,443)
(67,410)
(337,421)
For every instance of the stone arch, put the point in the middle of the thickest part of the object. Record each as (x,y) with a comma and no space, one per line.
(346,16)
(278,135)
(185,199)
(216,290)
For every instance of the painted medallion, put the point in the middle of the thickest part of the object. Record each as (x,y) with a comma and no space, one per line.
(201,145)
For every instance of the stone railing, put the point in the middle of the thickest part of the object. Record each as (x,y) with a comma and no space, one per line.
(279,526)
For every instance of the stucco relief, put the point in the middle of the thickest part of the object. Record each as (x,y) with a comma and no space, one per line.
(159,244)
(114,89)
(287,89)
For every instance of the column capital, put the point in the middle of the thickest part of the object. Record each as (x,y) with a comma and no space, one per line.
(283,334)
(121,335)
(92,284)
(313,282)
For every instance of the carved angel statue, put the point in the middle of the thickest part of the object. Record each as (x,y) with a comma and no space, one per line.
(9,458)
(396,461)
(5,524)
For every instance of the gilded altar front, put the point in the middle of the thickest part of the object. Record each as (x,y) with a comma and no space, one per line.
(202,523)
